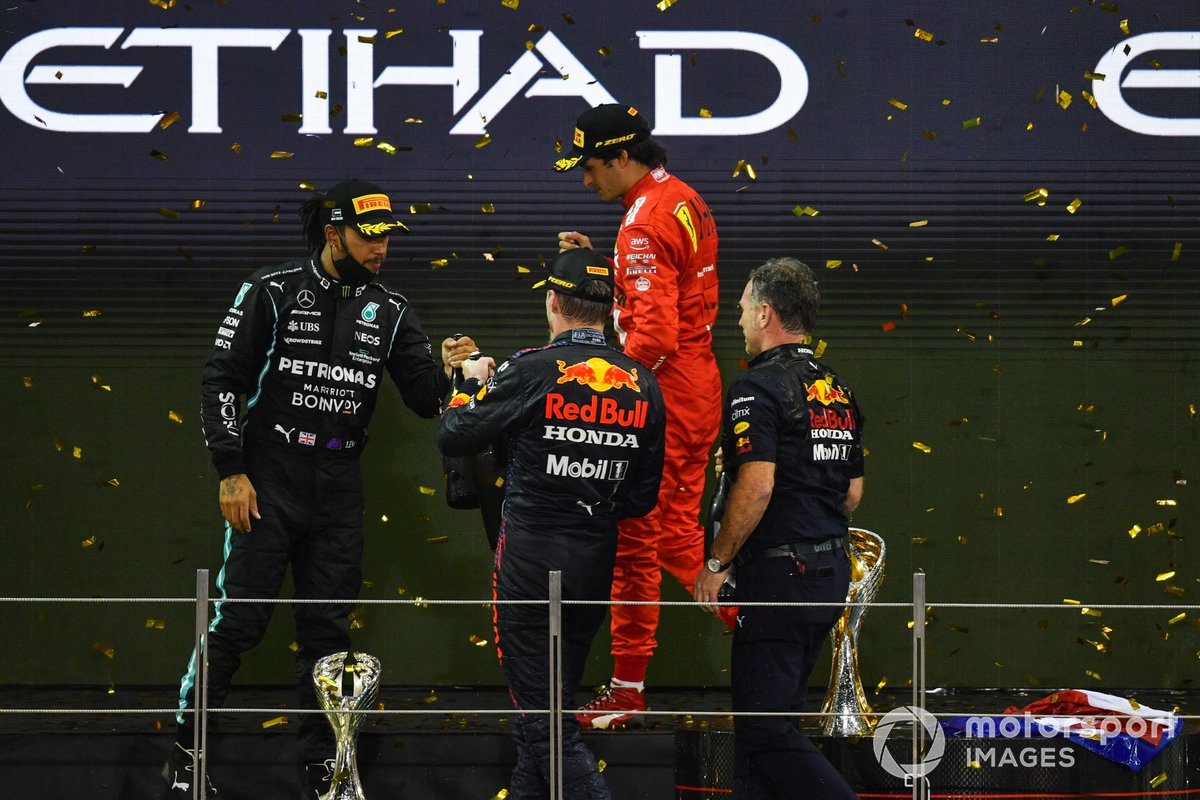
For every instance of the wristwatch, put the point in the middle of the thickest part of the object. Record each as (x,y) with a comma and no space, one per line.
(715,565)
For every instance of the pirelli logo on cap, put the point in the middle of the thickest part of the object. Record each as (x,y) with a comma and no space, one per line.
(372,202)
(578,138)
(597,270)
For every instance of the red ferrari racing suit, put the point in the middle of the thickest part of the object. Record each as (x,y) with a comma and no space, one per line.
(666,303)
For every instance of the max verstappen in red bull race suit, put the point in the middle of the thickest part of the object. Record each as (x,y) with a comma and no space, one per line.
(666,304)
(583,428)
(307,343)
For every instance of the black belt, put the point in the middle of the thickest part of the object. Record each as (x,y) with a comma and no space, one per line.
(790,550)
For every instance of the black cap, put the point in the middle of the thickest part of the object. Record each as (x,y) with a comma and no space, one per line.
(603,127)
(572,268)
(362,205)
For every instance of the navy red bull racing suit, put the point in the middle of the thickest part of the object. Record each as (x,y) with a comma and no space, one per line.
(583,429)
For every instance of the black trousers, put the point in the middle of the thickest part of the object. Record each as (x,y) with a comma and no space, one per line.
(774,651)
(312,510)
(522,633)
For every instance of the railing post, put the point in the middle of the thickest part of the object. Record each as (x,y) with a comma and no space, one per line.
(556,687)
(920,785)
(200,694)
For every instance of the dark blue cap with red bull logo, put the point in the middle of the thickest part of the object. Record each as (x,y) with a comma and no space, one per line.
(570,270)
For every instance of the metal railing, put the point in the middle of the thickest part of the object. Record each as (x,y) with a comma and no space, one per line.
(555,603)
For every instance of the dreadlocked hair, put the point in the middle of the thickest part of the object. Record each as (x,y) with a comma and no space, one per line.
(312,216)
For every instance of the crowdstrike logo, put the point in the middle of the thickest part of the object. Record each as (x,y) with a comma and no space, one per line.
(568,76)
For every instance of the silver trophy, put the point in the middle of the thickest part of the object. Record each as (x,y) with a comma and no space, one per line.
(346,683)
(846,708)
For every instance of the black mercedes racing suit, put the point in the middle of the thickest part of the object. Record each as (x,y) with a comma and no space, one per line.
(583,427)
(309,354)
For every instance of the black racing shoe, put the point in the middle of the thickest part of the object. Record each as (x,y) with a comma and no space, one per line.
(318,779)
(180,772)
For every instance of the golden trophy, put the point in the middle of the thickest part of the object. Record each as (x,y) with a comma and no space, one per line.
(846,707)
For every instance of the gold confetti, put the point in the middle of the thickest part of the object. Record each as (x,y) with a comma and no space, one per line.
(1119,299)
(832,263)
(483,141)
(1165,502)
(1158,780)
(281,154)
(1091,100)
(920,539)
(77,452)
(488,208)
(386,147)
(1064,99)
(437,540)
(320,95)
(291,117)
(663,5)
(295,647)
(704,112)
(930,135)
(271,723)
(168,213)
(606,50)
(1134,531)
(1165,576)
(364,141)
(420,208)
(1178,249)
(478,641)
(894,102)
(806,211)
(973,122)
(174,416)
(1039,194)
(1180,617)
(432,698)
(961,539)
(357,624)
(879,244)
(92,312)
(168,119)
(27,381)
(1068,601)
(89,541)
(104,649)
(396,32)
(1074,205)
(923,35)
(1125,27)
(1090,612)
(428,491)
(1075,498)
(500,795)
(113,482)
(924,448)
(921,223)
(438,263)
(156,624)
(235,147)
(742,164)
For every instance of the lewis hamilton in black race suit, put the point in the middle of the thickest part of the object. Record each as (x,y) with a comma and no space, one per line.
(583,427)
(307,344)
